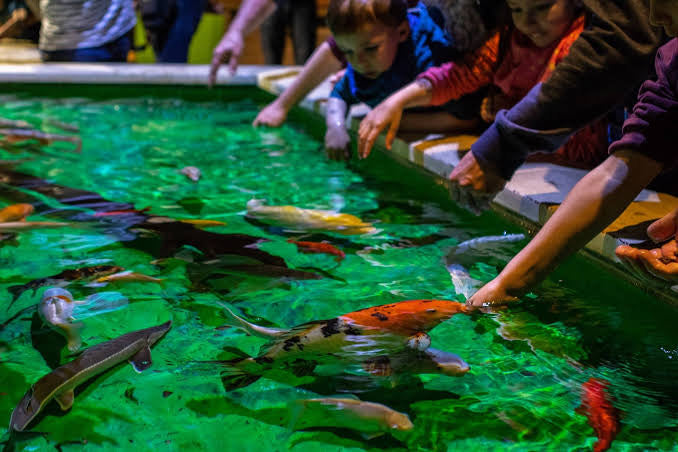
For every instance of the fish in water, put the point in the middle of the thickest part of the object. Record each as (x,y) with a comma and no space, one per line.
(373,419)
(19,135)
(63,278)
(597,405)
(319,247)
(15,212)
(192,172)
(58,310)
(127,276)
(19,226)
(295,218)
(61,382)
(203,223)
(111,213)
(355,337)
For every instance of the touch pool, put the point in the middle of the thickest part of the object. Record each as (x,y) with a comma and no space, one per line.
(528,362)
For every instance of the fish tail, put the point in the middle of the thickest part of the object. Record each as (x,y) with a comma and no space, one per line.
(100,303)
(240,371)
(16,292)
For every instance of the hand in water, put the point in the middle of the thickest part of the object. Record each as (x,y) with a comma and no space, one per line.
(473,186)
(338,143)
(272,115)
(229,49)
(491,294)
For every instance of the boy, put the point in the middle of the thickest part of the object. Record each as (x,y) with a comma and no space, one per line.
(385,47)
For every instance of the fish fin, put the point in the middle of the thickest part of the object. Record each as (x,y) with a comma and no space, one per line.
(369,436)
(65,400)
(142,359)
(99,303)
(250,328)
(233,381)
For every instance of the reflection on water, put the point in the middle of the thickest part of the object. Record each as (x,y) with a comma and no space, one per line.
(528,363)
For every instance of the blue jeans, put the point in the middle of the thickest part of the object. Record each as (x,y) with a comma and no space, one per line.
(111,52)
(188,14)
(300,16)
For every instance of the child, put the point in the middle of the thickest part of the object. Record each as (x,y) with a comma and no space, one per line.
(512,62)
(385,47)
(646,149)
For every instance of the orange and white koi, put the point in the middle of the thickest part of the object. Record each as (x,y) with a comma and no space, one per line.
(15,212)
(320,248)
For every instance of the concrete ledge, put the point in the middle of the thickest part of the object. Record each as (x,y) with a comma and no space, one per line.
(530,197)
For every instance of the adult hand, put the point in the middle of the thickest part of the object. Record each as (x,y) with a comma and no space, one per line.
(657,265)
(272,115)
(491,294)
(472,186)
(338,143)
(229,49)
(386,114)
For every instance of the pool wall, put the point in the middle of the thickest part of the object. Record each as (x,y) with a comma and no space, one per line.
(529,198)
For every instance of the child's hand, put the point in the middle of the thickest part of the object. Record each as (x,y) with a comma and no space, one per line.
(334,78)
(386,114)
(272,115)
(337,143)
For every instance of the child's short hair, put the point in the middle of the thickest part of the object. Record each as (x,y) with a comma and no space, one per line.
(348,16)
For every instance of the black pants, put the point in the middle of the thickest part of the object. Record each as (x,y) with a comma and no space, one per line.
(300,16)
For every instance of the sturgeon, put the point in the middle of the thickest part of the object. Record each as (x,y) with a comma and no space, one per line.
(61,382)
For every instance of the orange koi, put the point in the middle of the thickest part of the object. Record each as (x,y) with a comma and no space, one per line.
(203,223)
(15,212)
(597,406)
(319,247)
(356,337)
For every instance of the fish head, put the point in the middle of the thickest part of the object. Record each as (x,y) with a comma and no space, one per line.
(448,363)
(57,293)
(157,332)
(398,421)
(25,412)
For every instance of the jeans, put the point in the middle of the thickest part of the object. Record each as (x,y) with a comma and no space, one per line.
(111,52)
(300,15)
(171,43)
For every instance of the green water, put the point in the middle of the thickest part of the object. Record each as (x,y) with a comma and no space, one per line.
(527,363)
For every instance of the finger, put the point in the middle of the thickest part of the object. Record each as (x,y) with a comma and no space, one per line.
(664,228)
(233,63)
(371,138)
(214,67)
(390,135)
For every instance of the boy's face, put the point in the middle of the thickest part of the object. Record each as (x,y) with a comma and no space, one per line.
(664,13)
(372,49)
(543,21)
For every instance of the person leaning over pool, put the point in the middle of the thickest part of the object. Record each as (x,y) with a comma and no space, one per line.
(386,46)
(646,148)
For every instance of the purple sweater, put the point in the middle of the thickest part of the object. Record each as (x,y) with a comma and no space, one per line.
(652,129)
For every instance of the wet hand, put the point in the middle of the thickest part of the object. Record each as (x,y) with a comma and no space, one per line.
(491,294)
(657,266)
(337,143)
(272,115)
(472,186)
(386,114)
(229,49)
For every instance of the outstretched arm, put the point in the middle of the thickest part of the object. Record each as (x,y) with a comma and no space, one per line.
(250,15)
(319,66)
(596,200)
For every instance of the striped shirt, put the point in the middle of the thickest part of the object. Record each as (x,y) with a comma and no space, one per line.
(77,24)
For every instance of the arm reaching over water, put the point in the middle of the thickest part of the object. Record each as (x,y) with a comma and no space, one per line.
(599,198)
(319,66)
(337,140)
(605,62)
(250,15)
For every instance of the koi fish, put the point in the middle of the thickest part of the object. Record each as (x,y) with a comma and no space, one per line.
(58,310)
(129,276)
(61,382)
(14,124)
(63,278)
(203,223)
(111,213)
(295,218)
(354,337)
(319,247)
(597,406)
(192,172)
(368,417)
(15,212)
(19,135)
(19,226)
